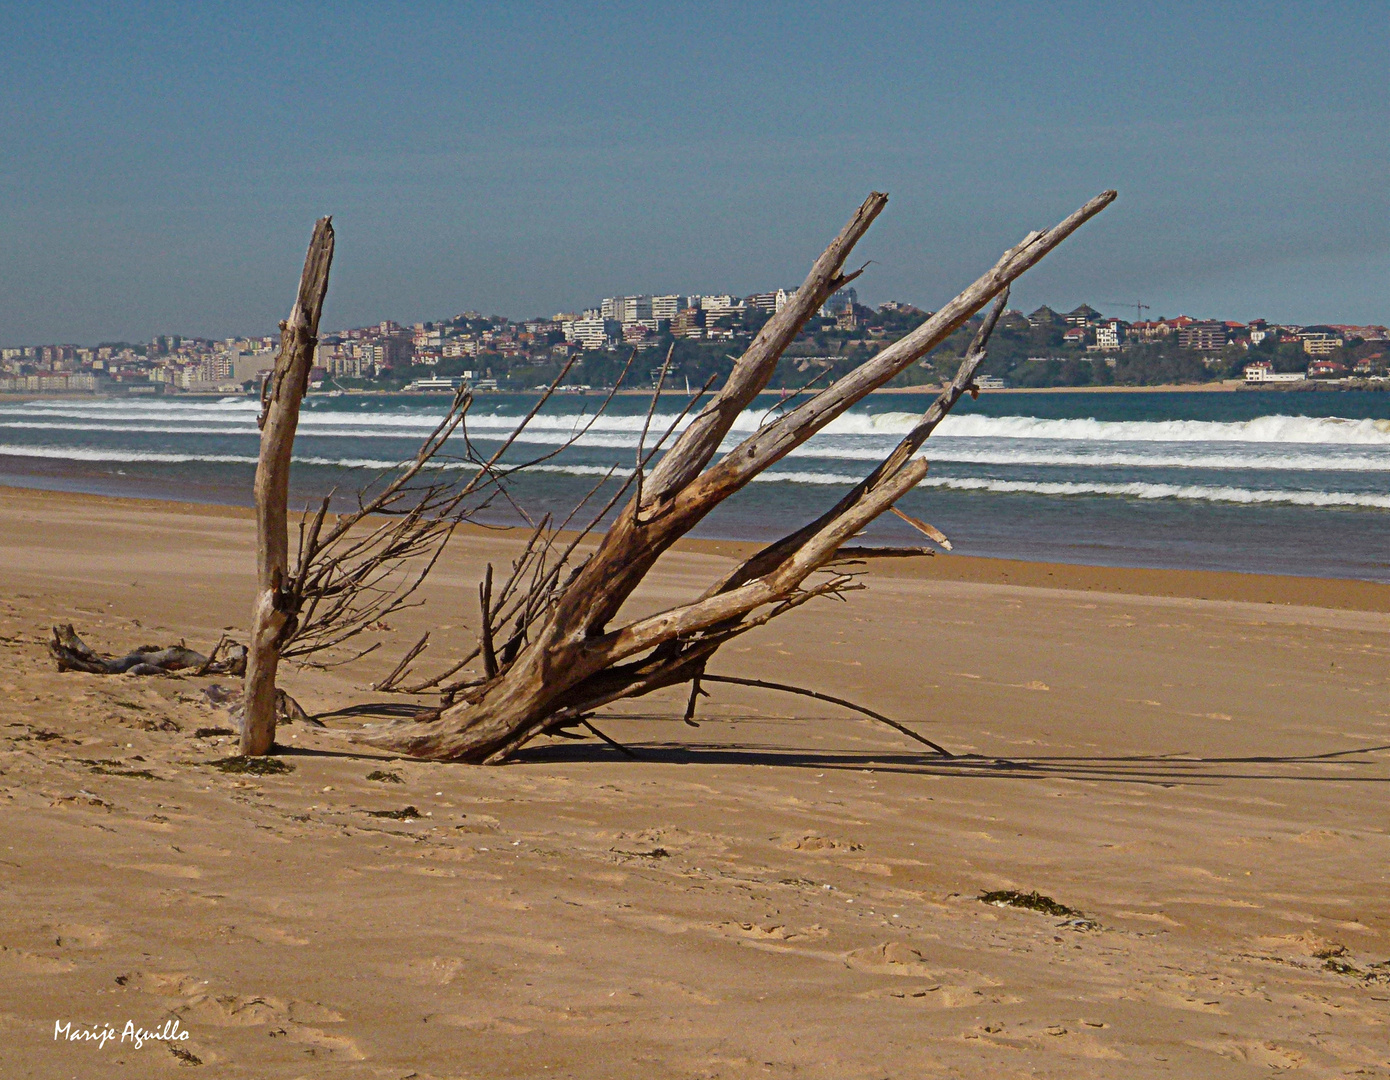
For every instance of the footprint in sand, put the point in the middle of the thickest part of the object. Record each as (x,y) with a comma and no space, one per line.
(340,1045)
(1266,1055)
(427,971)
(900,958)
(286,1019)
(27,963)
(76,935)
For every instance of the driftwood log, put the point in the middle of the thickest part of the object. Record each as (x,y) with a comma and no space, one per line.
(74,654)
(561,657)
(273,614)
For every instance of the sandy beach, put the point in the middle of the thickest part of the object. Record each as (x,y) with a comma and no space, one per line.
(1196,765)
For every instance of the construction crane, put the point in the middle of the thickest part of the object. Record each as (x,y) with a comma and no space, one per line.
(1139,308)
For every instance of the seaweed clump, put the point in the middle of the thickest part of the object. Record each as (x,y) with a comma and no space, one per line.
(185,1057)
(1033,901)
(137,774)
(256,766)
(407,814)
(385,777)
(115,767)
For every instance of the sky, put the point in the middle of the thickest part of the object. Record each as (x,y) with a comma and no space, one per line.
(161,165)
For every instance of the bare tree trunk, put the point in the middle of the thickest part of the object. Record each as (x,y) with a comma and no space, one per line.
(274,614)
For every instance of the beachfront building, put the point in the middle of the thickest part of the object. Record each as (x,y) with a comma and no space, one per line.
(1262,371)
(1327,369)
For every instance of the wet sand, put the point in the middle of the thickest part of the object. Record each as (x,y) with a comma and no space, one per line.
(787,890)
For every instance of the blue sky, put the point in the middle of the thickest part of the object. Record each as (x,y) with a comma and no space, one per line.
(161,165)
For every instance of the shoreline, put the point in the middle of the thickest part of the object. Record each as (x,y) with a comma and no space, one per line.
(1224,386)
(1344,594)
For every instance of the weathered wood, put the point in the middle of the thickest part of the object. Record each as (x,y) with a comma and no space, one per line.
(964,378)
(644,530)
(73,654)
(699,442)
(274,612)
(930,531)
(572,661)
(485,633)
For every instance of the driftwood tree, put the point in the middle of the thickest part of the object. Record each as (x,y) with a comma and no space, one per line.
(563,658)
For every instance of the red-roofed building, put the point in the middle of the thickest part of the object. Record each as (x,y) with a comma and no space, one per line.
(1365,333)
(1150,330)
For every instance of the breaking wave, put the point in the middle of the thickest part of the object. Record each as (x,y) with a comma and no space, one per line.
(1276,429)
(1197,492)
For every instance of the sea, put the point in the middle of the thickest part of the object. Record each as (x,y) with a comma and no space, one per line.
(1264,482)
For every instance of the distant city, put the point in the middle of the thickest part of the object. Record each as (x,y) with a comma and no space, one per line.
(489,352)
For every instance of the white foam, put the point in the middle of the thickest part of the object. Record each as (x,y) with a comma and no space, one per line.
(1303,430)
(97,453)
(1195,492)
(1280,429)
(1135,490)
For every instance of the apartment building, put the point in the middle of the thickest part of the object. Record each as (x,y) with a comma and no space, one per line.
(1204,336)
(688,323)
(1318,343)
(588,333)
(1109,335)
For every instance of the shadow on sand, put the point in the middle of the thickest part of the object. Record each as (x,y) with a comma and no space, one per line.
(1340,766)
(1359,765)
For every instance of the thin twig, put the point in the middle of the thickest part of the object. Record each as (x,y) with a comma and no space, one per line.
(611,742)
(786,689)
(485,602)
(646,423)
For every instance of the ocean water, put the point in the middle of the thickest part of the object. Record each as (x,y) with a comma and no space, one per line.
(1268,482)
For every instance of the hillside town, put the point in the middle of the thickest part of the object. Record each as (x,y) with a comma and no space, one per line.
(593,347)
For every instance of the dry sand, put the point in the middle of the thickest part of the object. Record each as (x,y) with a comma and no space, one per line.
(786,891)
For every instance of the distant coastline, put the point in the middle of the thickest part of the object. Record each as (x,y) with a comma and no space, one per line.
(1225,386)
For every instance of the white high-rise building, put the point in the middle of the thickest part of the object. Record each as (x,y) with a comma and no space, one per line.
(627,309)
(589,333)
(665,307)
(636,309)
